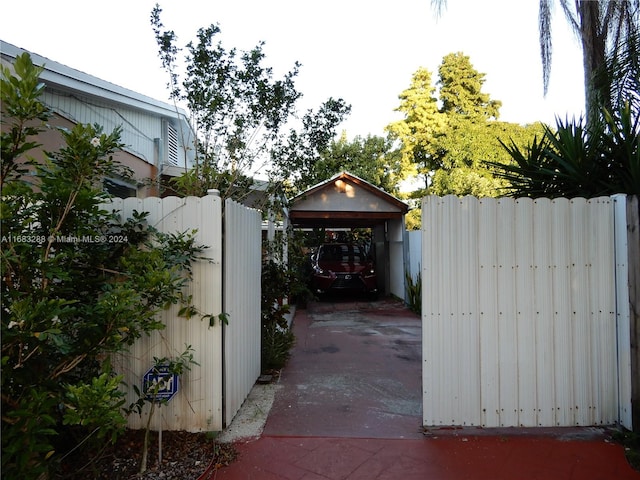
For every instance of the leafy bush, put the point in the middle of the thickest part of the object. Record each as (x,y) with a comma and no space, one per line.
(276,346)
(77,284)
(578,160)
(283,282)
(277,338)
(414,292)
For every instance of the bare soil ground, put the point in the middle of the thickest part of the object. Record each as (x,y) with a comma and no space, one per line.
(185,456)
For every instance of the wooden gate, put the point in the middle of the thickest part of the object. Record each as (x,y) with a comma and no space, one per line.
(521,312)
(242,335)
(228,356)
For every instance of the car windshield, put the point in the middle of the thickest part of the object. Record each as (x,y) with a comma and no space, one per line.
(341,253)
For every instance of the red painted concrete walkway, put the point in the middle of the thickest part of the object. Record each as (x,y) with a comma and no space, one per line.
(350,408)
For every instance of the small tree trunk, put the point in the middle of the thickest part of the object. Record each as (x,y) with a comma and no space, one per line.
(145,444)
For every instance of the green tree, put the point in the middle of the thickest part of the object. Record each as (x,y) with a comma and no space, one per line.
(470,135)
(598,154)
(602,27)
(422,125)
(461,90)
(294,160)
(466,147)
(237,108)
(587,159)
(69,296)
(373,159)
(413,220)
(241,114)
(459,136)
(622,73)
(578,159)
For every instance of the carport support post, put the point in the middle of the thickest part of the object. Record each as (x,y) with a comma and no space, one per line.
(396,257)
(381,243)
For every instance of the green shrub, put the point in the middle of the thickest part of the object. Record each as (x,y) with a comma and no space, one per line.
(276,346)
(577,159)
(277,338)
(414,292)
(70,297)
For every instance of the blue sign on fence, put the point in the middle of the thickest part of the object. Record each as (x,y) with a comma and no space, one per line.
(160,384)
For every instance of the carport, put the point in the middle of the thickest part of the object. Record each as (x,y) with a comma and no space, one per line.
(347,201)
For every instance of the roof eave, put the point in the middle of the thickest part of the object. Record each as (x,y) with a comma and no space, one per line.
(358,181)
(67,78)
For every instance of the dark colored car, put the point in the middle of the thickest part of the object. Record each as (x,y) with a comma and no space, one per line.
(342,266)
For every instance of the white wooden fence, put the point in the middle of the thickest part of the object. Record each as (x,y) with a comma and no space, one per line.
(199,405)
(520,313)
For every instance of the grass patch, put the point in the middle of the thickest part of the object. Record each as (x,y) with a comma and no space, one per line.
(631,443)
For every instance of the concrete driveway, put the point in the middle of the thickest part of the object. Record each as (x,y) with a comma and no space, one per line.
(348,407)
(355,372)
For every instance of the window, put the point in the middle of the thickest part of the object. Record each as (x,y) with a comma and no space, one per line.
(119,189)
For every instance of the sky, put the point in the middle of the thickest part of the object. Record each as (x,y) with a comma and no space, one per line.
(362,51)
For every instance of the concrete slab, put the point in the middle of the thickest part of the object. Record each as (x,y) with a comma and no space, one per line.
(355,371)
(349,408)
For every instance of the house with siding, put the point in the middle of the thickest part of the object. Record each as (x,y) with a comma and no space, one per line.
(158,137)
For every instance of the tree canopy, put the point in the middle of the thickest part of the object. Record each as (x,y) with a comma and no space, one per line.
(586,159)
(295,161)
(448,138)
(466,146)
(461,89)
(241,113)
(372,158)
(596,154)
(423,123)
(603,28)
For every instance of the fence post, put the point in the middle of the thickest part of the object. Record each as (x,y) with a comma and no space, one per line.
(633,239)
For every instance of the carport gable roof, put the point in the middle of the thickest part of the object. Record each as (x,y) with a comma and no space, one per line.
(344,200)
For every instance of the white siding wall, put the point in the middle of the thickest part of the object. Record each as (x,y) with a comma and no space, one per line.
(519,312)
(138,129)
(242,336)
(198,403)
